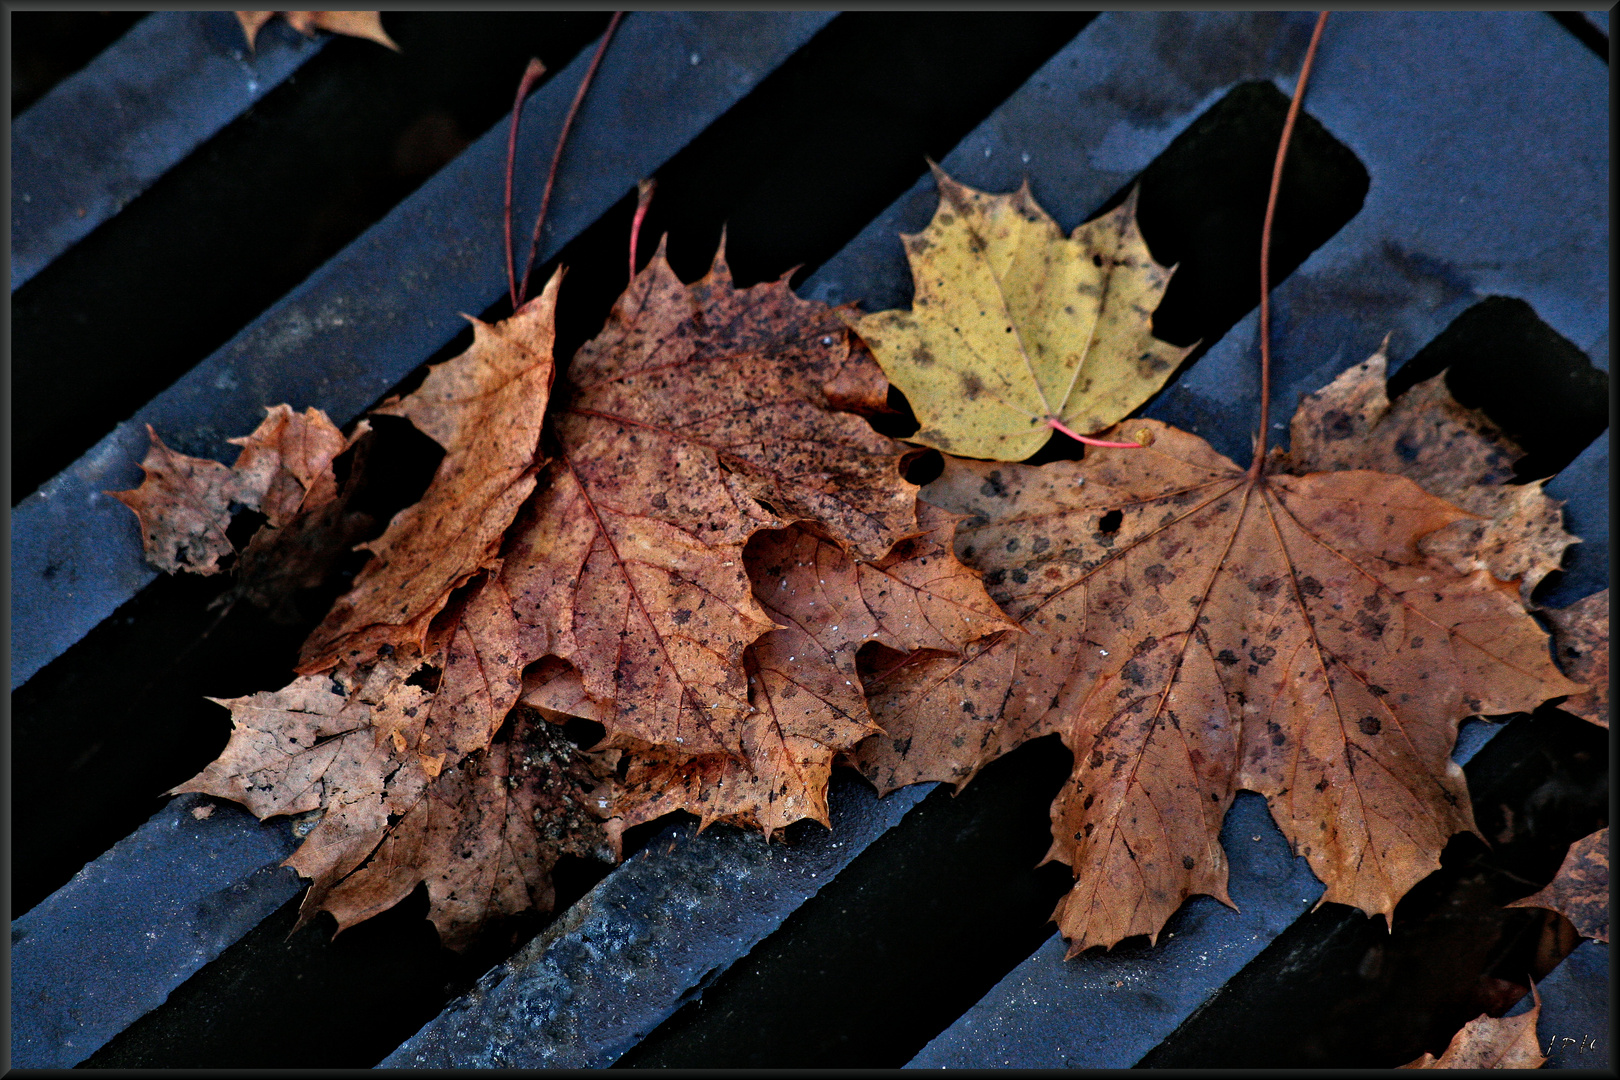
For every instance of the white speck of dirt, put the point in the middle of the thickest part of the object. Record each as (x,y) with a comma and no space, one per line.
(987,151)
(1103,651)
(696,59)
(1025,156)
(225,380)
(826,341)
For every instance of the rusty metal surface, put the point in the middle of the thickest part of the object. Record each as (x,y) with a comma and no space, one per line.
(389,300)
(112,943)
(105,133)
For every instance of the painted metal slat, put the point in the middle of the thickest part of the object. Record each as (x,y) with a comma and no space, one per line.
(109,946)
(106,133)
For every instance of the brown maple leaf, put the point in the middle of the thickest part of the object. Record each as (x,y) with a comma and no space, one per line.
(1192,628)
(1451,451)
(1581,644)
(184,504)
(1489,1042)
(361,24)
(485,407)
(809,704)
(483,830)
(700,415)
(1580,890)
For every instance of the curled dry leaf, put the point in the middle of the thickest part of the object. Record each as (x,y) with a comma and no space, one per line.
(1489,1042)
(701,414)
(485,407)
(809,703)
(1581,644)
(1013,324)
(184,504)
(483,831)
(1580,890)
(361,24)
(1191,629)
(1451,451)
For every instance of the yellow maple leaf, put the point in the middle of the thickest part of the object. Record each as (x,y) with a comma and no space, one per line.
(1016,329)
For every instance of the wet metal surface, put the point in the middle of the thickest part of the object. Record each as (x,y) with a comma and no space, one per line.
(389,300)
(112,943)
(104,134)
(1104,1010)
(646,940)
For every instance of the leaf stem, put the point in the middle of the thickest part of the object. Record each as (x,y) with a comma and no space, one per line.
(1057,425)
(1265,248)
(644,194)
(531,75)
(562,137)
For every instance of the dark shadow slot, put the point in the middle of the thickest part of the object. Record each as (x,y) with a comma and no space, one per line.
(1542,390)
(336,1003)
(1203,203)
(914,931)
(1577,23)
(48,46)
(252,213)
(1339,990)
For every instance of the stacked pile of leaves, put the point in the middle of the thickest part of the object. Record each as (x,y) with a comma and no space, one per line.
(696,540)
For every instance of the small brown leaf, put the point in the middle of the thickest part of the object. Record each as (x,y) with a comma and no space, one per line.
(1580,890)
(1581,644)
(362,24)
(1488,1042)
(1451,451)
(283,470)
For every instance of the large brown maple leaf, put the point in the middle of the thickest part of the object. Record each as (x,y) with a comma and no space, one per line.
(1191,628)
(700,415)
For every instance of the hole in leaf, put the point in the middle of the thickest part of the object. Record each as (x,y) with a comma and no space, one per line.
(1110,522)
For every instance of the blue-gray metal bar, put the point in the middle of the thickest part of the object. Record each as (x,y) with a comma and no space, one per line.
(110,945)
(106,133)
(1102,1011)
(1454,213)
(390,299)
(645,941)
(1575,1024)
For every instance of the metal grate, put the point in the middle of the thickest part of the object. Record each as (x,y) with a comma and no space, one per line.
(1452,190)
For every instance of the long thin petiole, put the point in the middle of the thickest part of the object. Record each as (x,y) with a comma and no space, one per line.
(1265,248)
(1057,425)
(531,75)
(562,137)
(644,194)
